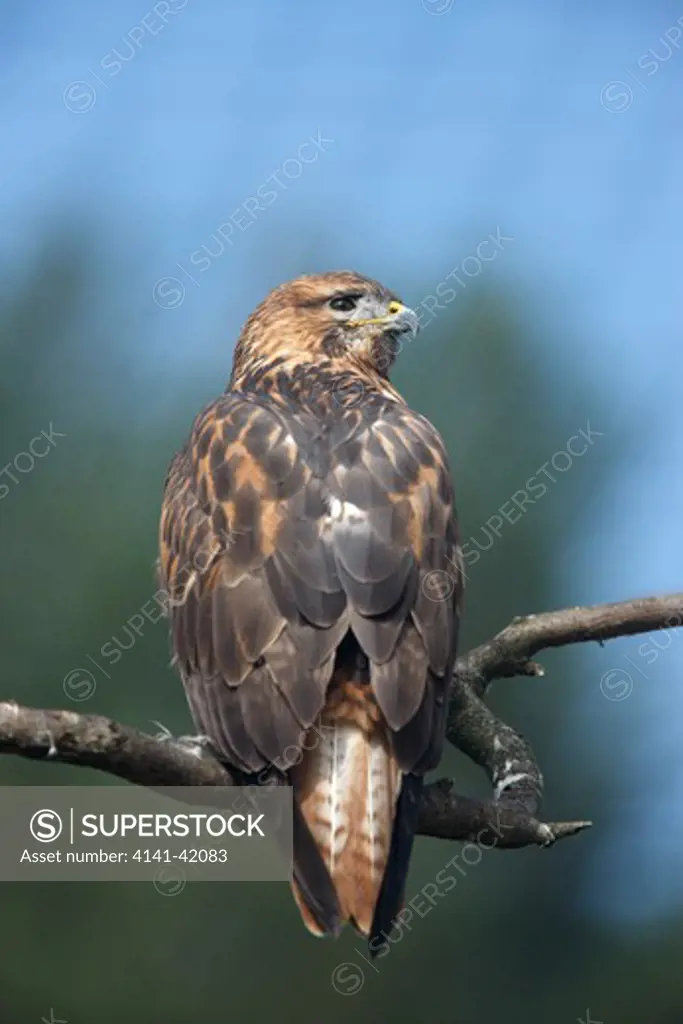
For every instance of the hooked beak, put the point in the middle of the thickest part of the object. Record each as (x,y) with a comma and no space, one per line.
(398,319)
(402,319)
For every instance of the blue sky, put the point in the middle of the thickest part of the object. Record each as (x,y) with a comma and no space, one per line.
(445,121)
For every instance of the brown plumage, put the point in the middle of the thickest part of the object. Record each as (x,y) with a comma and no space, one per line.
(299,529)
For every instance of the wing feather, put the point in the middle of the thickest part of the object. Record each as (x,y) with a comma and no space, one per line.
(279,534)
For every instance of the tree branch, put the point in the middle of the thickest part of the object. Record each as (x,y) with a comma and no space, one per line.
(509,652)
(509,819)
(503,753)
(96,742)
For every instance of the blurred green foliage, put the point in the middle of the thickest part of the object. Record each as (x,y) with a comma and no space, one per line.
(515,940)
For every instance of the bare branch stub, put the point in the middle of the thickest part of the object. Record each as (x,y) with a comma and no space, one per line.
(508,821)
(449,815)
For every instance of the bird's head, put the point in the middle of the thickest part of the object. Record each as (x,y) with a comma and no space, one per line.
(340,315)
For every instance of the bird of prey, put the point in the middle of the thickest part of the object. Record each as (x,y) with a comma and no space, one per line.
(309,548)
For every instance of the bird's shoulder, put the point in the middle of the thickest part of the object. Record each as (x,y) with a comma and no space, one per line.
(287,426)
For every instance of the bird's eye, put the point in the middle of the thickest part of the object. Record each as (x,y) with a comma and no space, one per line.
(343,303)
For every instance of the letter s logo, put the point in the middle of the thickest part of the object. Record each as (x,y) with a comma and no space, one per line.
(46,826)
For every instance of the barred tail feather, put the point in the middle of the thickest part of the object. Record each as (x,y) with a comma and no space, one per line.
(346,789)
